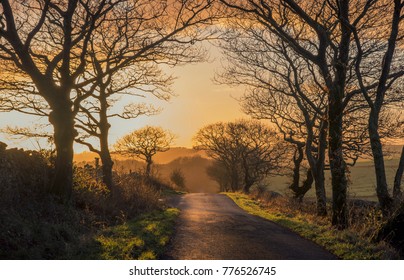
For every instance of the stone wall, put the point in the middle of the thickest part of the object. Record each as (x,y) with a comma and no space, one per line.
(21,169)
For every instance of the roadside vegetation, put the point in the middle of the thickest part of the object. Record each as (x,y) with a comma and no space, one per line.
(357,242)
(143,238)
(128,222)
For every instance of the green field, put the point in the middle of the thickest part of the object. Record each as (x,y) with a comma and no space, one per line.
(362,181)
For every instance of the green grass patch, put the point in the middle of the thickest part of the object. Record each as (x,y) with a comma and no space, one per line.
(344,244)
(143,238)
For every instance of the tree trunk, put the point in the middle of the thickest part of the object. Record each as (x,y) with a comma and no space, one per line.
(317,165)
(247,188)
(148,167)
(337,164)
(300,192)
(107,165)
(306,186)
(105,154)
(248,183)
(62,120)
(382,192)
(248,179)
(320,192)
(297,160)
(398,178)
(234,179)
(319,179)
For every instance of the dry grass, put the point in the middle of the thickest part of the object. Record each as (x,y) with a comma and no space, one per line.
(364,217)
(354,243)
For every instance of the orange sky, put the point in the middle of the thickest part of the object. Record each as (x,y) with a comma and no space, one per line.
(198,102)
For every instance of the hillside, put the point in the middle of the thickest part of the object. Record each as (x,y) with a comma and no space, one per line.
(160,158)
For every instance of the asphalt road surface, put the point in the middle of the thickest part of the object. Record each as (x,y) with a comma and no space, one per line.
(212,226)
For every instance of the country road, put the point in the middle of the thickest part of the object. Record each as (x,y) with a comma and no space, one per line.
(212,226)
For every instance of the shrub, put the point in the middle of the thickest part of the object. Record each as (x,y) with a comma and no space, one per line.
(134,193)
(89,193)
(178,179)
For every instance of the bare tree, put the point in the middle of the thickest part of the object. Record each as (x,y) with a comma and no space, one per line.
(45,50)
(144,143)
(149,28)
(215,140)
(283,91)
(44,43)
(383,72)
(320,35)
(248,150)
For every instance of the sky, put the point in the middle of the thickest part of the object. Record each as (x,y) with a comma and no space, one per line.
(198,101)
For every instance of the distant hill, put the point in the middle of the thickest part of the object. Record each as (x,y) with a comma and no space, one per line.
(160,158)
(181,152)
(175,153)
(85,157)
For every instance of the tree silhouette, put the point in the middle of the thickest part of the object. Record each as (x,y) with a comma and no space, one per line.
(144,143)
(382,73)
(170,42)
(43,49)
(58,58)
(248,150)
(321,35)
(285,90)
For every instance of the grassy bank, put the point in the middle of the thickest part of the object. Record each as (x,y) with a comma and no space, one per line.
(143,238)
(347,244)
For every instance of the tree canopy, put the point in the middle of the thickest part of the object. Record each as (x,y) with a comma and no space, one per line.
(248,150)
(144,143)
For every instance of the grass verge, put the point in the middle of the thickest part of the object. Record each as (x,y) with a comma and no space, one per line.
(143,238)
(345,244)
